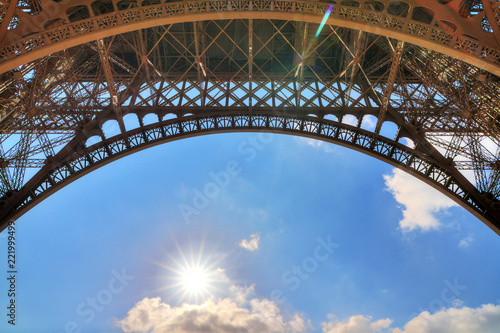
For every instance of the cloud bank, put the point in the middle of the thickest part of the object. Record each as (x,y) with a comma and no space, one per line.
(485,319)
(225,316)
(242,312)
(239,312)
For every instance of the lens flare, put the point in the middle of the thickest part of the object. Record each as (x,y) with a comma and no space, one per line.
(327,15)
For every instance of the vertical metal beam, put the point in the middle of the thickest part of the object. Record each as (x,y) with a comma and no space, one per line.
(359,41)
(199,64)
(250,63)
(5,183)
(300,69)
(108,74)
(398,52)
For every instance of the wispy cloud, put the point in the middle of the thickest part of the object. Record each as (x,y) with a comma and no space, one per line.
(465,242)
(421,202)
(251,244)
(317,144)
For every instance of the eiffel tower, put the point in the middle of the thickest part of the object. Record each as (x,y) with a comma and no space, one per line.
(413,83)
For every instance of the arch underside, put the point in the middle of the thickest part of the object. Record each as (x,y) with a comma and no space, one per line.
(176,77)
(445,29)
(82,159)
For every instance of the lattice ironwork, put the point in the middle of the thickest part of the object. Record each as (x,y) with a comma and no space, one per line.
(84,83)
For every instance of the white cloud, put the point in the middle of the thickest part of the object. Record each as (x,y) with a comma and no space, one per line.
(356,324)
(485,319)
(408,142)
(350,120)
(369,122)
(251,244)
(239,312)
(465,242)
(421,202)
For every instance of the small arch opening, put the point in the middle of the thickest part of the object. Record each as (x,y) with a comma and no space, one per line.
(110,128)
(398,8)
(331,117)
(374,5)
(150,2)
(126,4)
(369,122)
(407,142)
(448,26)
(78,13)
(169,116)
(101,7)
(93,140)
(54,23)
(349,119)
(131,121)
(423,14)
(389,130)
(350,3)
(150,118)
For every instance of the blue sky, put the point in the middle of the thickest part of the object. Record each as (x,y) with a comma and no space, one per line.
(303,236)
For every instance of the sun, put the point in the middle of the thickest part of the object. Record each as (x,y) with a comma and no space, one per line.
(195,280)
(191,277)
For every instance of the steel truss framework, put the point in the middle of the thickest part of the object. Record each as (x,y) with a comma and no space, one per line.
(85,83)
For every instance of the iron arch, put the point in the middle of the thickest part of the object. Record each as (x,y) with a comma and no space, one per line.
(84,159)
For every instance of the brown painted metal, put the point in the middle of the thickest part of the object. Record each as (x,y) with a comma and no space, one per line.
(75,67)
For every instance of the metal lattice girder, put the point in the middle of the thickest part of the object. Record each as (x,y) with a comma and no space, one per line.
(199,67)
(83,159)
(444,28)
